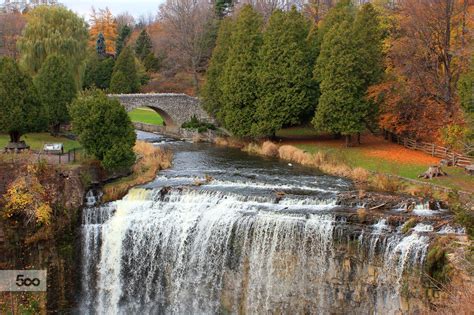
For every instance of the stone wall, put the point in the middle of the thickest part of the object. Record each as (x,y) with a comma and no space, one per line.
(175,109)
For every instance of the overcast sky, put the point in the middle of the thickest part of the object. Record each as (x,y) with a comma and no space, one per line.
(134,7)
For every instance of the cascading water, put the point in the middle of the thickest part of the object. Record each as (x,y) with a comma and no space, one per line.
(259,237)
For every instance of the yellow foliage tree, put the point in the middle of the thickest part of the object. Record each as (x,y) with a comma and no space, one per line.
(103,21)
(27,197)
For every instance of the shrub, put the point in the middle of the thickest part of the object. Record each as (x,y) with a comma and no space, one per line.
(104,129)
(200,126)
(437,265)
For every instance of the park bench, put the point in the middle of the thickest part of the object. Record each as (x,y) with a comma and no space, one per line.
(53,148)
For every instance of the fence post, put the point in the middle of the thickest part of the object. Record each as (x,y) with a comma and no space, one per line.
(74,154)
(405,142)
(454,159)
(432,149)
(59,155)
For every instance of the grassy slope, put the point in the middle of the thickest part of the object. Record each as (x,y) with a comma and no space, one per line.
(146,115)
(37,140)
(361,157)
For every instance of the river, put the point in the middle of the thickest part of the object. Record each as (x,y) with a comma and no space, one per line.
(224,232)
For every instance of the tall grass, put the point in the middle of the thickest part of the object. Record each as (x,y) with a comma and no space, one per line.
(150,160)
(326,162)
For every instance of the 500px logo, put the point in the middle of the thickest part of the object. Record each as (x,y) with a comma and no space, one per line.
(23,280)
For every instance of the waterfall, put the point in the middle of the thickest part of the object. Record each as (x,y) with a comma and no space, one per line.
(197,251)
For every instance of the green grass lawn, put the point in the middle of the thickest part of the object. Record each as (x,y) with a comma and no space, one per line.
(355,157)
(146,116)
(360,157)
(36,141)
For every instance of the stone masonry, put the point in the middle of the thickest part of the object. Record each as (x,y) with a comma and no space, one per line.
(174,108)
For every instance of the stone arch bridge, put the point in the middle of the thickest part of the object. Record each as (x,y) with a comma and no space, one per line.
(175,109)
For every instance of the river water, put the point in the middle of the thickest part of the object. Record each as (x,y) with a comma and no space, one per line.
(224,232)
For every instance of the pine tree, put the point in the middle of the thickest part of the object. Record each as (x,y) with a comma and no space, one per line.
(119,84)
(239,83)
(19,106)
(98,72)
(368,36)
(341,109)
(284,74)
(125,73)
(100,47)
(222,7)
(143,45)
(124,34)
(314,47)
(344,10)
(56,90)
(212,89)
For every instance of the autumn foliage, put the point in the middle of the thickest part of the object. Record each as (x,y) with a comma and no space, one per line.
(428,50)
(103,22)
(29,198)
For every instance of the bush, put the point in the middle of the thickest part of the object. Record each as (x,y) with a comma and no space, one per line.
(200,126)
(104,129)
(119,157)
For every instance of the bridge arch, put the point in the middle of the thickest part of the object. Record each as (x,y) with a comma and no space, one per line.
(175,109)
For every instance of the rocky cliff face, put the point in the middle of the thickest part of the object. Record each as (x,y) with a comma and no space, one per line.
(51,246)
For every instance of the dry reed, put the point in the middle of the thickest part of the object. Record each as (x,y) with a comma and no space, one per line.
(150,160)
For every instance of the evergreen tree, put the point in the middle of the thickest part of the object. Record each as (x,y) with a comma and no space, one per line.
(284,74)
(344,10)
(104,129)
(56,90)
(368,36)
(125,77)
(341,109)
(19,106)
(152,63)
(120,84)
(212,90)
(124,33)
(314,47)
(143,45)
(239,83)
(222,7)
(98,72)
(100,46)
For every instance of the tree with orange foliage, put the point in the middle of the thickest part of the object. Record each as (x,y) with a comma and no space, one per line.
(428,51)
(103,22)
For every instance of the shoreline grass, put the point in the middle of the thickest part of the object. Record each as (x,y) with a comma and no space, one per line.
(150,160)
(335,166)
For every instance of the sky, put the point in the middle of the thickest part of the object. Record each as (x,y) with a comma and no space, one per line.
(134,7)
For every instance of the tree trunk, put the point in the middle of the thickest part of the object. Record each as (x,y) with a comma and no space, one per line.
(358,138)
(348,140)
(15,136)
(433,171)
(55,129)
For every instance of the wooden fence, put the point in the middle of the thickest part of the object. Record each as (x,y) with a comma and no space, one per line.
(434,150)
